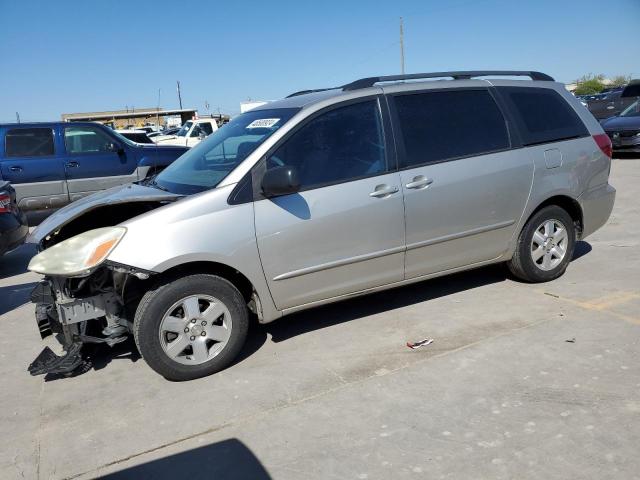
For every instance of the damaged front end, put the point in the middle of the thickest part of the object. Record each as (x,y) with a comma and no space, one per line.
(82,296)
(95,309)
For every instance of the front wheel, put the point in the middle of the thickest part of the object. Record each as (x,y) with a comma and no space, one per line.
(545,246)
(191,327)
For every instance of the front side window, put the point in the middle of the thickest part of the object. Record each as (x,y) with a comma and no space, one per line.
(209,162)
(343,144)
(442,125)
(542,115)
(29,142)
(86,140)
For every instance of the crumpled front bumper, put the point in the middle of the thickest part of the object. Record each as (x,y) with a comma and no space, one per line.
(67,318)
(48,323)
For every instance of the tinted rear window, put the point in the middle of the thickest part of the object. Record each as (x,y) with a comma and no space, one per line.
(29,142)
(542,115)
(442,125)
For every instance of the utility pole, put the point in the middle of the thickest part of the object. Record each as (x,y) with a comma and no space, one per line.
(17,117)
(401,46)
(179,96)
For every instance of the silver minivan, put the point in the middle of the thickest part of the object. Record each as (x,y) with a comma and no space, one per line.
(318,197)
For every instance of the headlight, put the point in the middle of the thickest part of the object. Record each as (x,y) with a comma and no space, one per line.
(78,255)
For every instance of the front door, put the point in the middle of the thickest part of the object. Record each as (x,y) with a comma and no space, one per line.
(94,161)
(343,232)
(464,188)
(34,169)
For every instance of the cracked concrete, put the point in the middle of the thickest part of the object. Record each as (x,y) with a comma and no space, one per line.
(335,393)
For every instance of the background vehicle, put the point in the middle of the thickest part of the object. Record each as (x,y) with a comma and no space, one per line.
(191,133)
(322,196)
(624,129)
(166,132)
(138,136)
(52,164)
(608,104)
(13,223)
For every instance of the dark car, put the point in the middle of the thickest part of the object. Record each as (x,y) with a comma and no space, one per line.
(53,164)
(624,130)
(608,104)
(13,223)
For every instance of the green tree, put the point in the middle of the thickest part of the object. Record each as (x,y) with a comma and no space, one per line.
(590,84)
(620,80)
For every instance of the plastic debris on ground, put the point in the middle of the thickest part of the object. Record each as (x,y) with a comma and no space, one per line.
(421,343)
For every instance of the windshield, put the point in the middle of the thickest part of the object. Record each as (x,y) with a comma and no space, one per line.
(206,164)
(185,128)
(632,110)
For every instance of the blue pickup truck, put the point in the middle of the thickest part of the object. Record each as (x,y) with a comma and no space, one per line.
(53,164)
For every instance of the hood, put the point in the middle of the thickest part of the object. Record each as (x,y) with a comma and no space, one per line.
(124,194)
(161,148)
(621,123)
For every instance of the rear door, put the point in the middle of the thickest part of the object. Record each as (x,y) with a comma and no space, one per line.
(34,167)
(344,230)
(464,187)
(95,161)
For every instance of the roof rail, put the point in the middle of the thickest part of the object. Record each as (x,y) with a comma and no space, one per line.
(463,75)
(304,92)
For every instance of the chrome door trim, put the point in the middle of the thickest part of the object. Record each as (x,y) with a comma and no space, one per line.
(466,233)
(338,263)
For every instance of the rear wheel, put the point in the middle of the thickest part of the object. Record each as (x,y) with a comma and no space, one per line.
(191,327)
(545,246)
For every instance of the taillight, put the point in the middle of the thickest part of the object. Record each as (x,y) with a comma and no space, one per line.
(5,203)
(604,142)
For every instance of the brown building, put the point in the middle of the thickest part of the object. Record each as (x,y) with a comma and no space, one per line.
(131,118)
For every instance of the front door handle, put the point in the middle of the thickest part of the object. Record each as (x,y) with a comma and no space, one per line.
(72,164)
(383,190)
(15,169)
(419,181)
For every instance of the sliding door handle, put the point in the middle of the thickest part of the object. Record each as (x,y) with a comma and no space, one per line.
(419,182)
(383,191)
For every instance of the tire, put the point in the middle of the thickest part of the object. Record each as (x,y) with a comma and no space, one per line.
(526,263)
(191,327)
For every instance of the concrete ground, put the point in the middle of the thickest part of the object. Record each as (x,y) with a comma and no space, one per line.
(522,381)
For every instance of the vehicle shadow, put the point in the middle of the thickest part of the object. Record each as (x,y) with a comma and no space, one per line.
(15,296)
(345,311)
(16,262)
(626,155)
(228,459)
(581,249)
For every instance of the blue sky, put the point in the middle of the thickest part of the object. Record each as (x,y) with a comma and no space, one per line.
(75,56)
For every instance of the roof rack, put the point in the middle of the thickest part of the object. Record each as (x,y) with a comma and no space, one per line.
(463,75)
(304,92)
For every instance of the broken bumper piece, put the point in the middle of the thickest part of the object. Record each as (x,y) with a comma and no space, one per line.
(50,363)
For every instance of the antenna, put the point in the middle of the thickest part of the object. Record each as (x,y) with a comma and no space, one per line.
(401,46)
(17,117)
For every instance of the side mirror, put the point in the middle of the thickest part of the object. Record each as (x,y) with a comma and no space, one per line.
(115,147)
(201,135)
(280,181)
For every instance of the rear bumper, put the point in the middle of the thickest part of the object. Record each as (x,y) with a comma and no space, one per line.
(597,205)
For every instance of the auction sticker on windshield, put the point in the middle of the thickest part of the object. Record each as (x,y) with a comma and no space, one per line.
(263,123)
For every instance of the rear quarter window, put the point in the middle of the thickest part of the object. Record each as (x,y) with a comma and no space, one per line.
(29,142)
(542,115)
